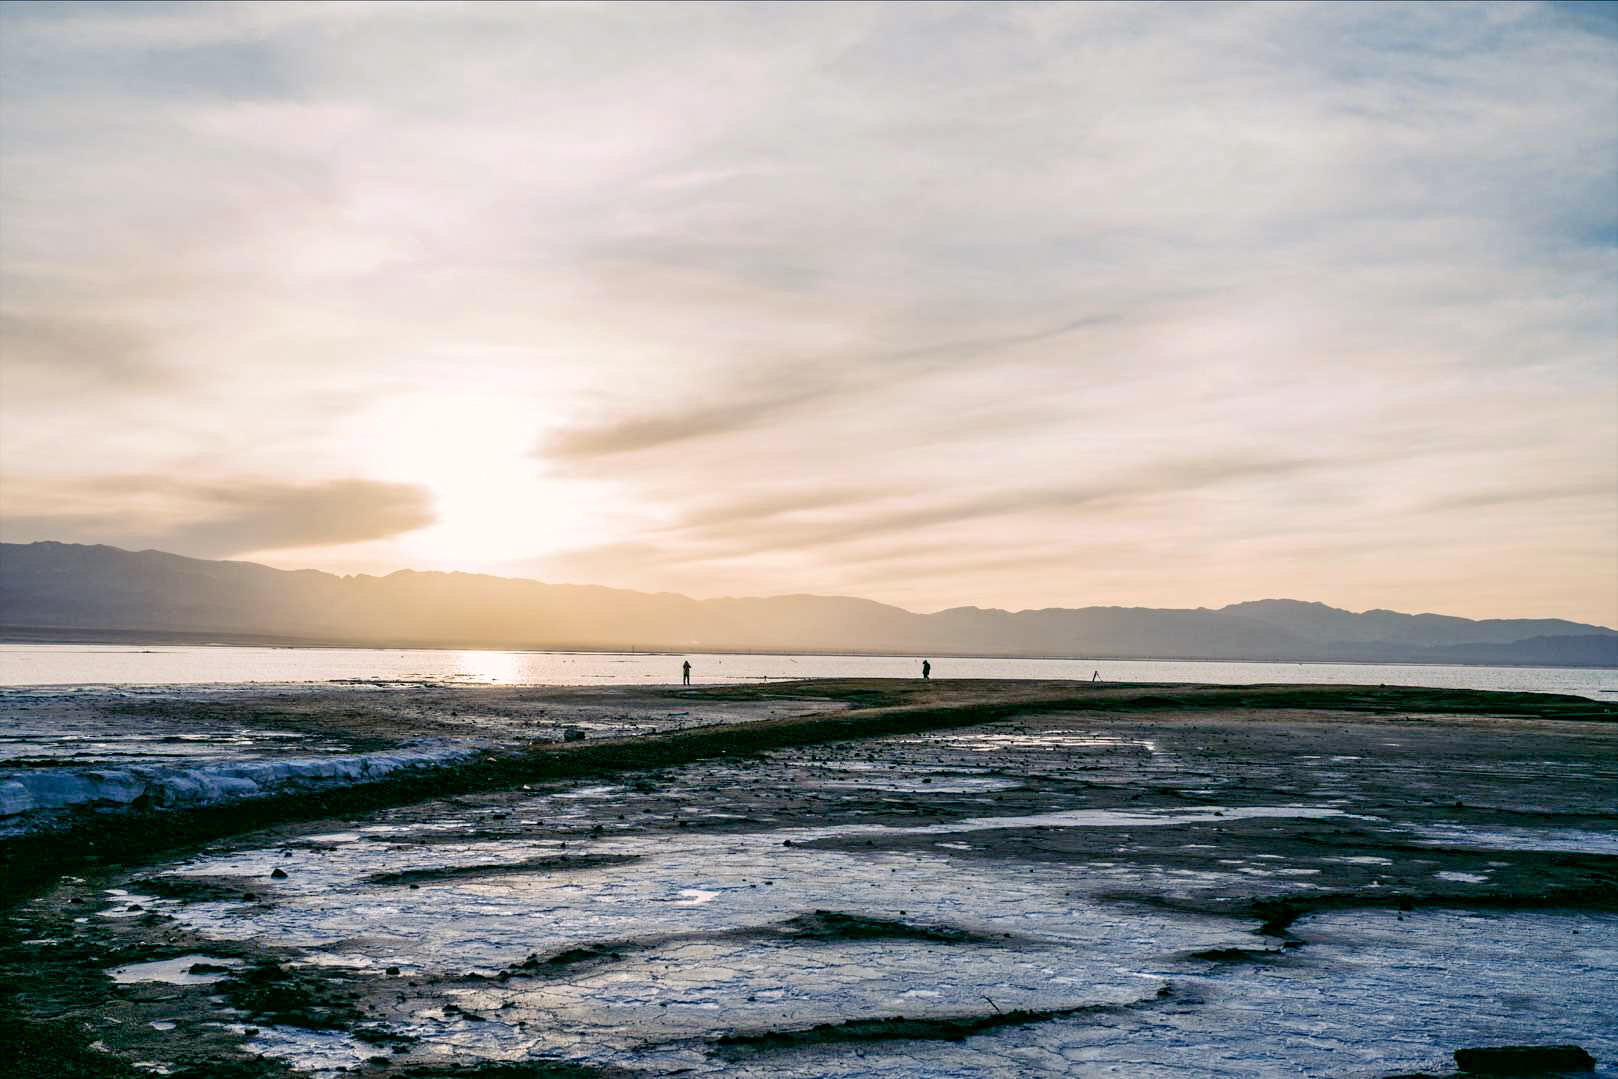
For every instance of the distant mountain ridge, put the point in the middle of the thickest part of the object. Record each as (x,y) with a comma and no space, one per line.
(70,591)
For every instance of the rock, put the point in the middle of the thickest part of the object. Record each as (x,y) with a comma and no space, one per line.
(279,874)
(1525,1060)
(573,734)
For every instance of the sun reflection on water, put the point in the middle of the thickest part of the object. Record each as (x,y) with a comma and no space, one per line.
(489,668)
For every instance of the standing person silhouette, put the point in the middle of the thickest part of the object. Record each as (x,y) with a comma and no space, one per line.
(685,673)
(926,670)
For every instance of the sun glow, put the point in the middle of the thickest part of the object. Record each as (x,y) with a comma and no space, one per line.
(474,452)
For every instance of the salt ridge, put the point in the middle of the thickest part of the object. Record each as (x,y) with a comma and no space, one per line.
(157,786)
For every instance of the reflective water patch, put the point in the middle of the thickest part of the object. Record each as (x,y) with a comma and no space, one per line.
(181,970)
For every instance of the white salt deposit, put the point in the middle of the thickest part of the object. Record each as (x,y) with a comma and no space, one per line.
(162,786)
(175,971)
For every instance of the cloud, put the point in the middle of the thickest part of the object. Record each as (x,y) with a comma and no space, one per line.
(778,531)
(216,520)
(791,388)
(51,356)
(740,410)
(773,504)
(1599,491)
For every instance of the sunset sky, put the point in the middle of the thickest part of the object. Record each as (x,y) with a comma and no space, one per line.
(994,304)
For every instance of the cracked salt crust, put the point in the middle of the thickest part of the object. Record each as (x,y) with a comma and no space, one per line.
(638,1012)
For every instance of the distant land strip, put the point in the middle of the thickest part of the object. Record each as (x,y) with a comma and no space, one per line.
(60,592)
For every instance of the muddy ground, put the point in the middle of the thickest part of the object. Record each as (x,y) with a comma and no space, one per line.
(1216,832)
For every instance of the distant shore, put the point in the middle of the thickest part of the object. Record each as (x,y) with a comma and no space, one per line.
(179,638)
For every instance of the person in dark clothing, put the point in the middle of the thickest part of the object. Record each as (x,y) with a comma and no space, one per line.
(685,673)
(926,670)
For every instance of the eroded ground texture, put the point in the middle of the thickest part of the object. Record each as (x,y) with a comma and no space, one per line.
(1076,882)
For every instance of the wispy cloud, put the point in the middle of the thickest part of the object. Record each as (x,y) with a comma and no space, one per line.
(213,520)
(77,352)
(740,411)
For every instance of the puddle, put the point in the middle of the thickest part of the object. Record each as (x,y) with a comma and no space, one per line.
(1462,878)
(175,972)
(122,904)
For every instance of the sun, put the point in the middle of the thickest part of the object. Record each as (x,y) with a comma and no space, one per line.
(474,452)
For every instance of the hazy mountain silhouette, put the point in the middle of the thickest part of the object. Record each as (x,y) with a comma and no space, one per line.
(67,591)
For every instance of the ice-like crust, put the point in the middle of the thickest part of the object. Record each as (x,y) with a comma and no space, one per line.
(701,908)
(157,786)
(1431,979)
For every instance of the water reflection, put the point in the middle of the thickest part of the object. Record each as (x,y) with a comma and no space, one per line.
(489,668)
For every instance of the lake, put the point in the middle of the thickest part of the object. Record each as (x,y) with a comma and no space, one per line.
(69,665)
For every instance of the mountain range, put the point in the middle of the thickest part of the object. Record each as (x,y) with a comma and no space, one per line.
(63,591)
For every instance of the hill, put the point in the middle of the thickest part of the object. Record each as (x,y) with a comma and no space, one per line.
(68,591)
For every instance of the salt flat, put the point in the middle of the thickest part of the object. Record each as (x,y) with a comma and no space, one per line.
(1024,881)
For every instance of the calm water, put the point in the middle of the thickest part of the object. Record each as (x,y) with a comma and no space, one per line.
(89,664)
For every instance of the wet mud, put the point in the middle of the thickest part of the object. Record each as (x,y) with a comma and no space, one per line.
(561,863)
(968,879)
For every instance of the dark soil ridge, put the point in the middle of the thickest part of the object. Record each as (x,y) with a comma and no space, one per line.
(893,707)
(556,863)
(735,1047)
(821,926)
(1276,915)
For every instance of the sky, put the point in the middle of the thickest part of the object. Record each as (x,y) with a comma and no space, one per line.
(1006,305)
